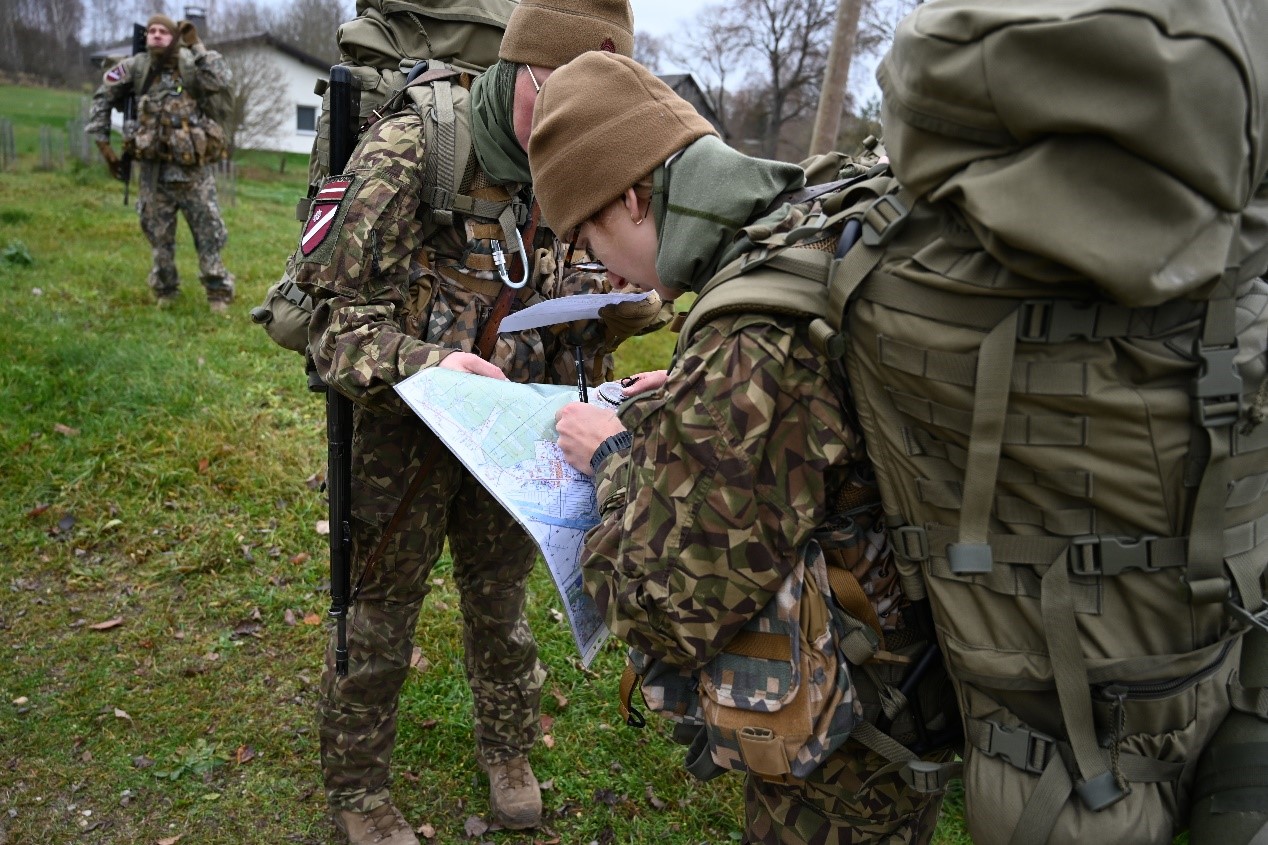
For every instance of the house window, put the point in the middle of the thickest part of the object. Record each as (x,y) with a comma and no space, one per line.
(306,118)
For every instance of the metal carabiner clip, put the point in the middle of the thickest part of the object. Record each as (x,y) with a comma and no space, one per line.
(499,261)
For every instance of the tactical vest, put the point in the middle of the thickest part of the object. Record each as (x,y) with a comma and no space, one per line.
(172,125)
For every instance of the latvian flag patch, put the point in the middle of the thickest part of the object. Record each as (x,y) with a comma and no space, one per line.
(321,216)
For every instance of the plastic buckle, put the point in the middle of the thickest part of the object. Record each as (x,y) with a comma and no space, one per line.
(1093,554)
(1020,747)
(1100,792)
(891,212)
(899,537)
(1217,388)
(1056,321)
(1259,619)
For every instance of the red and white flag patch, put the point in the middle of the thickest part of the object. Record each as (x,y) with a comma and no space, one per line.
(322,216)
(118,73)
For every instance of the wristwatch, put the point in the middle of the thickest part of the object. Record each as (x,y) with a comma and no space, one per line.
(618,442)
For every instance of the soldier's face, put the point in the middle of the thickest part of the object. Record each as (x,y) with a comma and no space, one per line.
(527,82)
(157,37)
(623,237)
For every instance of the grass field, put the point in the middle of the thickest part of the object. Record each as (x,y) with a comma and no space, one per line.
(163,620)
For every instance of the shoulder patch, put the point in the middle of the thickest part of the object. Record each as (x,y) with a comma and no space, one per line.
(321,216)
(118,73)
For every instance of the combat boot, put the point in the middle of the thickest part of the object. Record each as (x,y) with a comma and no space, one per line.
(384,825)
(166,299)
(514,796)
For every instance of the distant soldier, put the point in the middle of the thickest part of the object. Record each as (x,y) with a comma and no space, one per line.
(175,140)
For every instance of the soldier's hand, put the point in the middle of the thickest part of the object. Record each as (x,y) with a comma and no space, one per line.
(112,160)
(626,319)
(188,33)
(465,362)
(582,428)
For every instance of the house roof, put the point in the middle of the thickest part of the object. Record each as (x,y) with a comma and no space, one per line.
(120,50)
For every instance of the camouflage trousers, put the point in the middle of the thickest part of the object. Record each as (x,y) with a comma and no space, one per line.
(158,202)
(492,559)
(833,808)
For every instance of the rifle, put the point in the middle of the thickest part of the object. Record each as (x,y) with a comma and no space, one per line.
(129,114)
(344,112)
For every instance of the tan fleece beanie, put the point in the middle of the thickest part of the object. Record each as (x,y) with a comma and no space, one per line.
(551,33)
(603,122)
(163,21)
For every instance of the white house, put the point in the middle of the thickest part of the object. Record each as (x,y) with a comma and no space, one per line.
(292,72)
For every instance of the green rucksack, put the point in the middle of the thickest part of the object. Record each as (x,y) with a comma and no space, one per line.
(1056,342)
(387,40)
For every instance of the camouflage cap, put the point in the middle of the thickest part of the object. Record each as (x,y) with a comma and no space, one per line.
(551,33)
(163,21)
(603,122)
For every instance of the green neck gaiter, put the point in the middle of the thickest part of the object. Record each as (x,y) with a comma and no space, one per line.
(493,125)
(702,198)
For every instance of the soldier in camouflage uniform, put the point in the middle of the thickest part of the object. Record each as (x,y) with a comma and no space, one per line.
(395,292)
(710,484)
(174,144)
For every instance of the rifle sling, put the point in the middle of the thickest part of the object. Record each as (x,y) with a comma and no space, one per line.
(484,346)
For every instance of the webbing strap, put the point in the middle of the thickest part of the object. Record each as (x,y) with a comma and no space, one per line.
(761,645)
(849,593)
(970,553)
(1039,816)
(1069,669)
(1249,700)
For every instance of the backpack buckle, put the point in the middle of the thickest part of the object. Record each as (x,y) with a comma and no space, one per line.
(1258,619)
(1094,554)
(1056,321)
(1021,747)
(882,220)
(1217,387)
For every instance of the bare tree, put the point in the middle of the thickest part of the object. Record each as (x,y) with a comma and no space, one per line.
(260,102)
(649,51)
(310,25)
(713,48)
(836,77)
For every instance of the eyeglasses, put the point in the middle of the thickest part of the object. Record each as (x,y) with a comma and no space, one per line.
(536,85)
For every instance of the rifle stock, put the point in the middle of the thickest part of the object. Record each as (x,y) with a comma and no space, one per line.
(343,117)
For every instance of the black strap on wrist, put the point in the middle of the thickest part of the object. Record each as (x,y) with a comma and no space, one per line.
(618,442)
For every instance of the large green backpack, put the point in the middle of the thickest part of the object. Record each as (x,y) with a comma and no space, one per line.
(1056,342)
(387,40)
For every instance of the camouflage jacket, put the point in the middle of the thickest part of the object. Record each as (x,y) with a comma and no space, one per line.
(731,471)
(395,294)
(126,78)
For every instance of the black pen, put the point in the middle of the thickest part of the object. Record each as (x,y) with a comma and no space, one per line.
(581,373)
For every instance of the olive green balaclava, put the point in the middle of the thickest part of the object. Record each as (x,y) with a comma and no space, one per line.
(603,122)
(545,33)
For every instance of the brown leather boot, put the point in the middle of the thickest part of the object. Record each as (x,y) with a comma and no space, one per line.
(514,796)
(384,825)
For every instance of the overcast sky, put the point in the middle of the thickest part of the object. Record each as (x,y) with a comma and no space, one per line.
(665,17)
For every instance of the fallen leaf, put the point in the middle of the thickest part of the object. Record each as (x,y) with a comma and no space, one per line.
(323,527)
(244,754)
(427,724)
(409,776)
(556,615)
(548,722)
(560,698)
(418,661)
(20,700)
(86,757)
(37,510)
(121,714)
(65,429)
(142,762)
(302,557)
(203,463)
(548,740)
(547,785)
(315,480)
(114,523)
(657,804)
(475,826)
(312,619)
(108,624)
(289,618)
(170,840)
(426,831)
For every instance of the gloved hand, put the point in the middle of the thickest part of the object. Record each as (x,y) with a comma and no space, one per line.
(188,33)
(112,160)
(626,319)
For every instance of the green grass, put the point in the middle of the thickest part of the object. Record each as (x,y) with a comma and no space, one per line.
(153,466)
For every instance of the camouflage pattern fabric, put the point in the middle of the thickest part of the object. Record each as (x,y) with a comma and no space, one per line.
(746,453)
(833,808)
(396,293)
(167,186)
(157,205)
